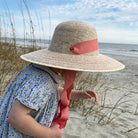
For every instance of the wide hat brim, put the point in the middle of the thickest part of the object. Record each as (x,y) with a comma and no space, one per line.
(95,63)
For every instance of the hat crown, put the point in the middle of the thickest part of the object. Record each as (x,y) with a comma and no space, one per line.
(70,33)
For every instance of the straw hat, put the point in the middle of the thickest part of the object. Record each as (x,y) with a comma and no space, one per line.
(59,54)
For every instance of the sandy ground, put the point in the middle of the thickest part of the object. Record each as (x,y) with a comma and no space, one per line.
(126,116)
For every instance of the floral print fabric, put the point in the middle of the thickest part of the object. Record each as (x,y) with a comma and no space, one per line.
(35,88)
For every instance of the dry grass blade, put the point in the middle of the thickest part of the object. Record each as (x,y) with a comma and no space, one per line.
(102,117)
(12,25)
(24,24)
(118,103)
(89,110)
(31,23)
(131,129)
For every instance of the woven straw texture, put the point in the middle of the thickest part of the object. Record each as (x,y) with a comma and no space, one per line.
(58,55)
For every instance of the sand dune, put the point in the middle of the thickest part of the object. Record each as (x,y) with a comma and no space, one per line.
(126,115)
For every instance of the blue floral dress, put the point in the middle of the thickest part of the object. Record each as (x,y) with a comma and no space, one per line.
(35,88)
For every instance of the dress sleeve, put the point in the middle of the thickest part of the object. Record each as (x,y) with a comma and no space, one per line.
(34,91)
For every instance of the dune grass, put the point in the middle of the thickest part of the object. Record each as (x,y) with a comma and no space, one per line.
(10,63)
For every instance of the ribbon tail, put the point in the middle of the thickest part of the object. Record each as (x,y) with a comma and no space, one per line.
(64,102)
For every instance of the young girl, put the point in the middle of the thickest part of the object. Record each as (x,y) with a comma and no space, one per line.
(32,106)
